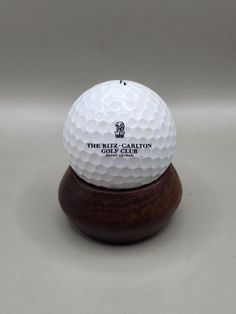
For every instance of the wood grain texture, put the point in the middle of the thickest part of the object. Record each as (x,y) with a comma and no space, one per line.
(120,216)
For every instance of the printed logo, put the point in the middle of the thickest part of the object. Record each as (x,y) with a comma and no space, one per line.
(120,129)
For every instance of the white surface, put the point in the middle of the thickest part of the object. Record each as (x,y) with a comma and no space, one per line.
(45,267)
(127,109)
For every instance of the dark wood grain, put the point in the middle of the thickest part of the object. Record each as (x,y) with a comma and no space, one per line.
(120,216)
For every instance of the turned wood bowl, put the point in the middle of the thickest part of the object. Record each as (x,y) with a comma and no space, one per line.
(120,216)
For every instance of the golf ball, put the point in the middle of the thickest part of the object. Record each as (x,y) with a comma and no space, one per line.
(119,135)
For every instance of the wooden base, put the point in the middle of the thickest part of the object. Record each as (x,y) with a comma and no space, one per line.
(120,216)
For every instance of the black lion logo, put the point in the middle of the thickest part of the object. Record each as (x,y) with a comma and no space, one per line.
(120,129)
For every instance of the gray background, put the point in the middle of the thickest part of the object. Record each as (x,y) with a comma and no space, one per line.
(50,52)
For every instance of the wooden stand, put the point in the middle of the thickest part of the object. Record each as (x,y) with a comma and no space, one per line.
(120,216)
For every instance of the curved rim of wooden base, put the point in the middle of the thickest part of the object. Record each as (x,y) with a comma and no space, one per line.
(105,190)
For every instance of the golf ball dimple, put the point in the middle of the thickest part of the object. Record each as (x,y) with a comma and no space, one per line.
(119,135)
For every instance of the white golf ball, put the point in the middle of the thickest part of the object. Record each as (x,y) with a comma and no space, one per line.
(119,135)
